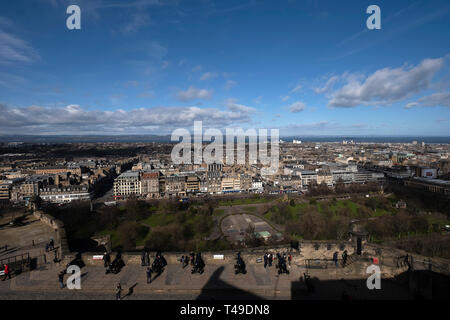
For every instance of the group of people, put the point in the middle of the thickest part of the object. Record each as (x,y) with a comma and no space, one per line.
(282,264)
(116,265)
(198,263)
(268,259)
(50,245)
(344,258)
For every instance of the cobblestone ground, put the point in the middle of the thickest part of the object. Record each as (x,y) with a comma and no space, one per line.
(217,282)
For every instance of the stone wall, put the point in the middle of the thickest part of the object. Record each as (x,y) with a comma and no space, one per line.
(322,250)
(60,232)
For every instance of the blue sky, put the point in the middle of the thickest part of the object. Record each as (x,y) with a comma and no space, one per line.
(148,66)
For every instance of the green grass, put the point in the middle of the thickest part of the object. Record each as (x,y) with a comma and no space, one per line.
(238,202)
(344,204)
(380,212)
(115,241)
(250,209)
(158,219)
(218,212)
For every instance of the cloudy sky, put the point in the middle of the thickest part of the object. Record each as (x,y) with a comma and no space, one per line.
(307,67)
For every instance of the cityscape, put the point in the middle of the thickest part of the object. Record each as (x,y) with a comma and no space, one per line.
(196,150)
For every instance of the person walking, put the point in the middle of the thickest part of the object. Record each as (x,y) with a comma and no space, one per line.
(265,260)
(106,259)
(143,258)
(147,258)
(61,280)
(335,258)
(344,258)
(118,291)
(149,275)
(290,259)
(7,272)
(270,259)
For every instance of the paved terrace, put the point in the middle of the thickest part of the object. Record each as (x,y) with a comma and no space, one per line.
(217,282)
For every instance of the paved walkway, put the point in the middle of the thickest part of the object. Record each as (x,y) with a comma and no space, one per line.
(217,282)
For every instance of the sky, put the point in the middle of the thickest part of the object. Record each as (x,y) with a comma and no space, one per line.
(305,67)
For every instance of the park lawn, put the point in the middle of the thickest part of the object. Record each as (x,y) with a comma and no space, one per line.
(218,212)
(158,219)
(268,215)
(238,202)
(344,204)
(250,209)
(380,212)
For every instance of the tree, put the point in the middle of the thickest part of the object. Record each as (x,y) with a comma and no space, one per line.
(251,239)
(129,232)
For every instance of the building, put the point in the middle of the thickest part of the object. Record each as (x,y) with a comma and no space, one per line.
(308,177)
(231,184)
(30,187)
(246,182)
(4,192)
(323,177)
(214,182)
(175,185)
(432,185)
(58,194)
(192,184)
(150,184)
(257,185)
(127,184)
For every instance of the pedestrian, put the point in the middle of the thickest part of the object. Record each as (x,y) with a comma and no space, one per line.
(265,260)
(118,291)
(105,259)
(344,258)
(61,279)
(143,258)
(192,259)
(147,258)
(52,244)
(270,259)
(7,272)
(335,258)
(46,247)
(290,259)
(149,275)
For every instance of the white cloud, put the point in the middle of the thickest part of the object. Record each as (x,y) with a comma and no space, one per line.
(194,94)
(209,75)
(137,21)
(328,86)
(440,99)
(229,84)
(285,98)
(297,107)
(387,85)
(15,50)
(73,119)
(297,88)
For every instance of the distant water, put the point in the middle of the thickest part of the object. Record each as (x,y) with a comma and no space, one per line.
(386,139)
(165,139)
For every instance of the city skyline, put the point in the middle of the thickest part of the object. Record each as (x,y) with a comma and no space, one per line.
(148,67)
